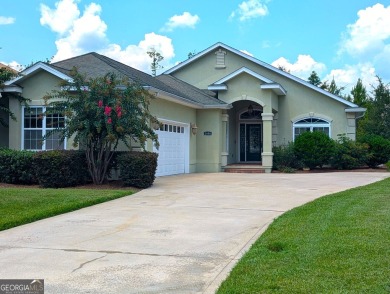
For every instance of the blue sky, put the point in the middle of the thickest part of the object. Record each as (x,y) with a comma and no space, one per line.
(343,39)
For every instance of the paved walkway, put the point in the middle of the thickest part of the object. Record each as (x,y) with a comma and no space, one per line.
(183,235)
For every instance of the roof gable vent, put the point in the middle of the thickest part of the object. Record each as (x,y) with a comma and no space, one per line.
(220,59)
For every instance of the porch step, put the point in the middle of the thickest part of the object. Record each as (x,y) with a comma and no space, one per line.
(244,168)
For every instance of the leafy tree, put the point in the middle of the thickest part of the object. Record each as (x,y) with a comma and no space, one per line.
(156,59)
(377,118)
(6,75)
(191,54)
(99,113)
(359,94)
(314,79)
(283,68)
(334,89)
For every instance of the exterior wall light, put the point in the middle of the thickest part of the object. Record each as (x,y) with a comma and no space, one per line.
(194,128)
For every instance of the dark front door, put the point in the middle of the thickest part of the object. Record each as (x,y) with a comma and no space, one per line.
(250,142)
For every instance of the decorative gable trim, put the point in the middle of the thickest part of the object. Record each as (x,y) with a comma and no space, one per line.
(261,63)
(240,71)
(37,67)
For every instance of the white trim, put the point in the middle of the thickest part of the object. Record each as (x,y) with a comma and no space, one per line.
(311,115)
(187,134)
(36,67)
(43,129)
(240,71)
(278,89)
(261,63)
(312,125)
(217,87)
(12,88)
(358,109)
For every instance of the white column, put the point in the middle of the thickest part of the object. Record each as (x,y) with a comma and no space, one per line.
(267,155)
(225,139)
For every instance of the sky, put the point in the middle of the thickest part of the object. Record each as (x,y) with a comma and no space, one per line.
(340,39)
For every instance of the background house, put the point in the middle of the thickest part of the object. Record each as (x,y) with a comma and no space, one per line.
(219,107)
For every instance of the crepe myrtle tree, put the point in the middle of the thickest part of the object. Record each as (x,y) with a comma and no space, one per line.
(99,113)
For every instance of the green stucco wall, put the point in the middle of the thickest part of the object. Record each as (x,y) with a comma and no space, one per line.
(209,147)
(299,101)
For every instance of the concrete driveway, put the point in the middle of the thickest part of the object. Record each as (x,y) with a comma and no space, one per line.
(183,235)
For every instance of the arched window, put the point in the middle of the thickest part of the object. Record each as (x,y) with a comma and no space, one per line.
(251,113)
(310,124)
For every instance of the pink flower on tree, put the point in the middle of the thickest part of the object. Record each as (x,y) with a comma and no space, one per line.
(100,103)
(107,110)
(118,111)
(109,120)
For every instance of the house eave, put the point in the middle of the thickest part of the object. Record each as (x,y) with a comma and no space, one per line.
(355,110)
(181,100)
(276,88)
(217,87)
(34,68)
(12,89)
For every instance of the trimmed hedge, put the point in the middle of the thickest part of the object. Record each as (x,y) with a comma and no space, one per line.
(378,150)
(349,154)
(137,169)
(16,167)
(61,168)
(285,159)
(314,149)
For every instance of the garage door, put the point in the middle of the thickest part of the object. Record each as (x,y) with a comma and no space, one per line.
(173,151)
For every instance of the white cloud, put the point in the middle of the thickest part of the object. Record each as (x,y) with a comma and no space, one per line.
(181,21)
(6,20)
(246,52)
(250,9)
(303,67)
(14,65)
(86,32)
(370,33)
(367,41)
(135,55)
(60,19)
(348,76)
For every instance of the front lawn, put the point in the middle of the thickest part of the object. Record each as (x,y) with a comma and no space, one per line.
(336,244)
(24,205)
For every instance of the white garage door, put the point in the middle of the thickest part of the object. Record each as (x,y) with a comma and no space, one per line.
(174,149)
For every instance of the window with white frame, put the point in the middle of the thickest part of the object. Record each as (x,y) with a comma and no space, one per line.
(36,125)
(311,124)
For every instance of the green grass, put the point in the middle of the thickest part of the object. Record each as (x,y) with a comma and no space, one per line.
(336,244)
(24,205)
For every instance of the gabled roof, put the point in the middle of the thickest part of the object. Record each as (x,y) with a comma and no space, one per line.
(269,84)
(261,63)
(190,92)
(94,65)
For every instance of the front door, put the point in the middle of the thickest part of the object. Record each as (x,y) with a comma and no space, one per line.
(250,142)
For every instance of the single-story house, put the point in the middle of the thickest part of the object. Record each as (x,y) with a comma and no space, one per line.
(218,108)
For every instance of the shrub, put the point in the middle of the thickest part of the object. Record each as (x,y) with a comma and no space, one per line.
(61,168)
(137,169)
(285,159)
(16,167)
(349,154)
(378,150)
(388,165)
(314,149)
